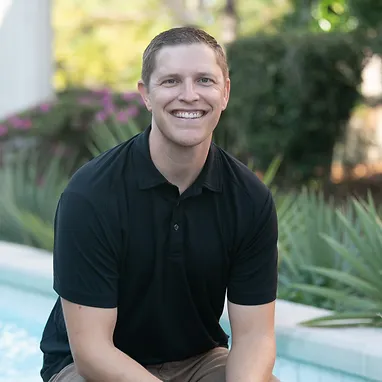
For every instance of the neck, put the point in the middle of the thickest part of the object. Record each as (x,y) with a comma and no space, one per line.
(178,164)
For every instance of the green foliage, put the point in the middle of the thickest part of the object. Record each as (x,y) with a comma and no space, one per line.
(258,16)
(302,247)
(288,214)
(334,15)
(31,185)
(291,94)
(67,122)
(367,12)
(29,190)
(332,258)
(105,136)
(101,44)
(357,289)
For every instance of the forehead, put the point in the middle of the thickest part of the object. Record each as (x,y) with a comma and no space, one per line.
(186,59)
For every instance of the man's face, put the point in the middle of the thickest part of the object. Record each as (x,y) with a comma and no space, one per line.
(187,93)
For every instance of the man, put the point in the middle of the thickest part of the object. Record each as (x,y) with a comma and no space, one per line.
(150,236)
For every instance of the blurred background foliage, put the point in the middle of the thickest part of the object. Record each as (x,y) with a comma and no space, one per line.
(300,88)
(296,69)
(100,43)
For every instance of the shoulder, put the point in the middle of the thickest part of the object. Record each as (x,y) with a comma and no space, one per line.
(241,182)
(102,176)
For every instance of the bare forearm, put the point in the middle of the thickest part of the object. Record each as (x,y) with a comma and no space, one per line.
(112,365)
(251,360)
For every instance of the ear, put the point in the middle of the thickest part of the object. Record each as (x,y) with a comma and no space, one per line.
(144,94)
(227,90)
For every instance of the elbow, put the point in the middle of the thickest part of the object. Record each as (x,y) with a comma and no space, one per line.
(83,364)
(83,371)
(267,344)
(88,360)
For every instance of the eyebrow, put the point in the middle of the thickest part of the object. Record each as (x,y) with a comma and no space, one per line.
(177,75)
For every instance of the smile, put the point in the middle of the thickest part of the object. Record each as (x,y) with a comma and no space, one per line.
(188,114)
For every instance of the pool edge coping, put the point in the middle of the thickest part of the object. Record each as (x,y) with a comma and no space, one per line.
(352,351)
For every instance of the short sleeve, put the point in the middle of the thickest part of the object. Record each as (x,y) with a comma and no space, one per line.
(254,271)
(85,255)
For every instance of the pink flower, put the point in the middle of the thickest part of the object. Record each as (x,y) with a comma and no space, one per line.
(45,107)
(132,111)
(123,116)
(26,124)
(104,91)
(101,116)
(21,124)
(15,121)
(109,108)
(3,130)
(130,96)
(107,99)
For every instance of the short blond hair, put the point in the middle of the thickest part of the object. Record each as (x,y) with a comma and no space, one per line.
(180,36)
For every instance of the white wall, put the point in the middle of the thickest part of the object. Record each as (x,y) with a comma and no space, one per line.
(26,65)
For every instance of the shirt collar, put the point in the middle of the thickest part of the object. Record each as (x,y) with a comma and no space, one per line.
(150,177)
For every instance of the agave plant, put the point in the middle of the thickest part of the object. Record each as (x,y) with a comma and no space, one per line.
(289,218)
(31,187)
(29,192)
(358,289)
(105,136)
(303,248)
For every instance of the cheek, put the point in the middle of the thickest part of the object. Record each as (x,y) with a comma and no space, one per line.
(161,101)
(218,97)
(220,103)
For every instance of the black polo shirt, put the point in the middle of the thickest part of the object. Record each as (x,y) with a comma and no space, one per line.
(125,238)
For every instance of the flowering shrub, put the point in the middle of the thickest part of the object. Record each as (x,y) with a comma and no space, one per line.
(65,123)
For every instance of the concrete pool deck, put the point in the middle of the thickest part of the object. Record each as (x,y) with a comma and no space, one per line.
(356,351)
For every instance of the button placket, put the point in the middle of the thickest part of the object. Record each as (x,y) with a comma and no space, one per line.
(176,237)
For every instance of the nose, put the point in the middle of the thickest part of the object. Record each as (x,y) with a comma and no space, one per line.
(188,92)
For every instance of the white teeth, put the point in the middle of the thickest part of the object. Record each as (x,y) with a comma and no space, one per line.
(188,115)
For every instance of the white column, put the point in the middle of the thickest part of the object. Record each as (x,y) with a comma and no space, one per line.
(372,87)
(26,65)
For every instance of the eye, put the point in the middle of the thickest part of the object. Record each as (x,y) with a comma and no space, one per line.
(170,81)
(205,80)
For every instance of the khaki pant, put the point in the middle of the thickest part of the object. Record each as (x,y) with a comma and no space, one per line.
(207,367)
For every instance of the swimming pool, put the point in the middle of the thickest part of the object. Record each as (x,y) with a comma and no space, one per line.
(26,300)
(22,316)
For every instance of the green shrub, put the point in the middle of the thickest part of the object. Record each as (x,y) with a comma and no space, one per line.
(332,259)
(291,94)
(302,247)
(66,122)
(31,185)
(357,290)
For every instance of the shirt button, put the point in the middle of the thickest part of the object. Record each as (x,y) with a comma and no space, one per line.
(176,227)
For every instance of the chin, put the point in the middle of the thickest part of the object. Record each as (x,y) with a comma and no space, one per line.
(190,140)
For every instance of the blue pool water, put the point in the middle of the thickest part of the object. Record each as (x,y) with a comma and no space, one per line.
(20,358)
(22,318)
(23,313)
